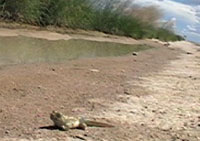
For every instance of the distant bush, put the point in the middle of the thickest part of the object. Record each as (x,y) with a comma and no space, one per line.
(82,14)
(166,35)
(115,23)
(27,11)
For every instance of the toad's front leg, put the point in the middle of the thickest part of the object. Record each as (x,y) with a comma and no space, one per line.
(64,128)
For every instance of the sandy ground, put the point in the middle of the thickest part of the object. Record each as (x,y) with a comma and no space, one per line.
(154,96)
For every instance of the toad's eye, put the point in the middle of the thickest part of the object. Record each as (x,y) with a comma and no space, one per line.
(58,115)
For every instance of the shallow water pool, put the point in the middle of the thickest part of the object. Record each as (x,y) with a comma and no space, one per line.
(18,50)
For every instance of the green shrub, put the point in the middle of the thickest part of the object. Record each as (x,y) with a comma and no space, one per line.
(81,14)
(70,13)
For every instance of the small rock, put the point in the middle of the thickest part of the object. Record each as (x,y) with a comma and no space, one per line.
(127,93)
(85,135)
(15,89)
(62,107)
(185,124)
(172,48)
(167,44)
(194,78)
(184,128)
(142,124)
(134,53)
(7,132)
(46,98)
(189,135)
(132,112)
(52,69)
(189,53)
(94,70)
(166,127)
(153,111)
(118,110)
(78,109)
(79,137)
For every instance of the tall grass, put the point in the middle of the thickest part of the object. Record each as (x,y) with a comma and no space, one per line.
(69,13)
(84,15)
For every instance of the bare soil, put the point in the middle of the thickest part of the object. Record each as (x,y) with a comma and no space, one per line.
(152,96)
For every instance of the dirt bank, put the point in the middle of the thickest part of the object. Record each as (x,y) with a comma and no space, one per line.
(152,96)
(49,35)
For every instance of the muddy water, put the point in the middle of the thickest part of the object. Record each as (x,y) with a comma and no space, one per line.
(18,50)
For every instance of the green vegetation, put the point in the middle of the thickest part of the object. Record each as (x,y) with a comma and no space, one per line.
(82,14)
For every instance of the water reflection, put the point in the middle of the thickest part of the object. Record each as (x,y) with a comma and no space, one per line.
(15,50)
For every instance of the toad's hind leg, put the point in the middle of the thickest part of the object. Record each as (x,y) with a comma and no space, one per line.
(83,126)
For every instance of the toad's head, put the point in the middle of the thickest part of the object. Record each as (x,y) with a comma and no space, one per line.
(56,116)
